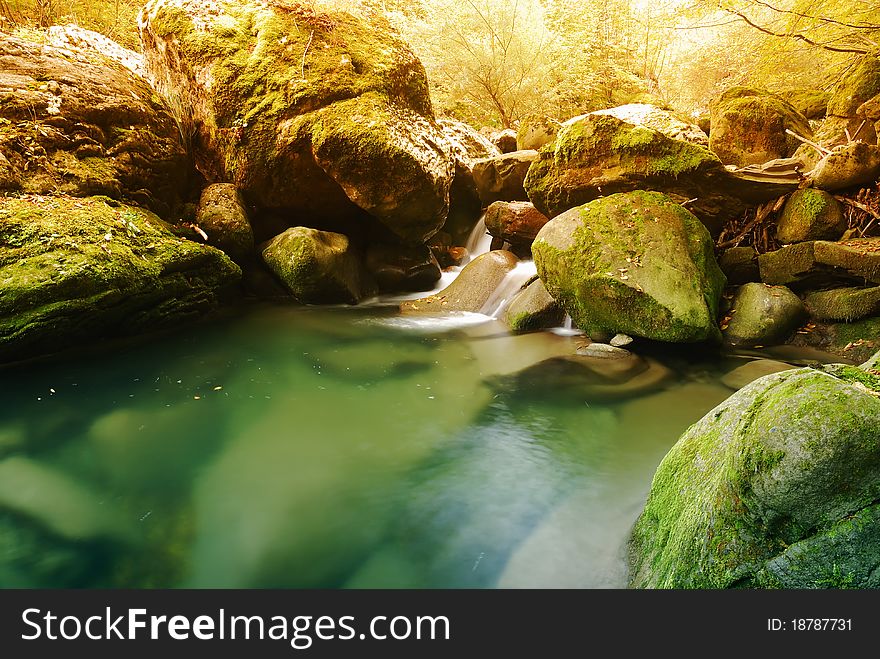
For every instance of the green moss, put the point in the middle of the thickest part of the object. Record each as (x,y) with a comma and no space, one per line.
(71,268)
(859,84)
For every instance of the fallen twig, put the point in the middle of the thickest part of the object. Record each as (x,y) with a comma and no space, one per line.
(820,149)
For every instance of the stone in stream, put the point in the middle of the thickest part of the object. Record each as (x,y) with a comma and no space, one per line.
(501,178)
(751,371)
(222,215)
(533,309)
(515,222)
(810,214)
(77,270)
(330,121)
(318,267)
(763,315)
(620,340)
(749,127)
(471,290)
(774,487)
(844,304)
(822,264)
(635,263)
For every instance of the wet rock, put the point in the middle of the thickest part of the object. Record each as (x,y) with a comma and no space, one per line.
(401,268)
(853,342)
(844,304)
(763,315)
(515,222)
(748,127)
(318,267)
(635,263)
(80,270)
(810,214)
(501,178)
(603,351)
(822,264)
(751,371)
(471,289)
(740,265)
(798,451)
(449,256)
(223,216)
(533,309)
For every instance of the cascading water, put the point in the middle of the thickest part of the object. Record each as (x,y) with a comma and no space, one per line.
(479,240)
(509,286)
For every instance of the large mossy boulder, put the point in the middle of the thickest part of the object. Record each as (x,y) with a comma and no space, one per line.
(318,267)
(655,118)
(749,127)
(600,154)
(76,123)
(636,263)
(319,116)
(761,491)
(74,271)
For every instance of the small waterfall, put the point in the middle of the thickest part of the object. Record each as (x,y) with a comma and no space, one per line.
(509,286)
(566,323)
(479,240)
(567,328)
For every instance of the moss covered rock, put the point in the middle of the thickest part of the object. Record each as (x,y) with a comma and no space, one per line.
(308,113)
(822,263)
(222,215)
(812,103)
(77,270)
(844,304)
(740,265)
(318,267)
(76,123)
(599,154)
(763,315)
(859,84)
(533,308)
(810,214)
(636,263)
(650,116)
(783,463)
(748,127)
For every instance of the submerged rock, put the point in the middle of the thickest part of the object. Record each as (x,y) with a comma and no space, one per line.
(318,267)
(748,127)
(751,371)
(75,123)
(846,304)
(75,270)
(763,315)
(785,462)
(310,114)
(635,263)
(223,216)
(472,289)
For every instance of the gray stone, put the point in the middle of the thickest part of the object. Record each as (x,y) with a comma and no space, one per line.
(223,217)
(533,309)
(740,265)
(763,315)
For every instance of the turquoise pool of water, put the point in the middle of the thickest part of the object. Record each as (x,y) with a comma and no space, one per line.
(300,447)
